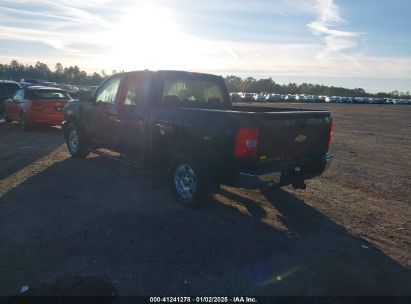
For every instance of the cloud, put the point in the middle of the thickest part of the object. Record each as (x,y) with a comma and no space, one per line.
(324,27)
(43,10)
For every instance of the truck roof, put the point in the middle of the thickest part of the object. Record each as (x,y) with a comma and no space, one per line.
(37,88)
(172,72)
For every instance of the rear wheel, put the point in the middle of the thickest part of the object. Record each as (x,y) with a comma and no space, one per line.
(189,182)
(76,143)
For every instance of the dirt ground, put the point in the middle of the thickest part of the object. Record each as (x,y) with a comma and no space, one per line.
(95,226)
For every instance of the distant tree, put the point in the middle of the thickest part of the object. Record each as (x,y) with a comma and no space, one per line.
(59,68)
(71,75)
(43,70)
(265,85)
(234,83)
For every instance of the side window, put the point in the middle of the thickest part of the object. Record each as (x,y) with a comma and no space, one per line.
(19,95)
(136,91)
(108,92)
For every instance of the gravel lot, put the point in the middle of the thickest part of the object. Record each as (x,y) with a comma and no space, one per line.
(95,226)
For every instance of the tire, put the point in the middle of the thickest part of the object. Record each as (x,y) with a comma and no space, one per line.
(76,142)
(24,125)
(190,184)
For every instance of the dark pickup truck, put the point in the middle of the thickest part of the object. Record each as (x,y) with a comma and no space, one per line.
(185,122)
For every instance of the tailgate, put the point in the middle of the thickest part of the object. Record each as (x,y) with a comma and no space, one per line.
(289,136)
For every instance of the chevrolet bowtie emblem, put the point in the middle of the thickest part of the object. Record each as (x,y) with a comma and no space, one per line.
(300,138)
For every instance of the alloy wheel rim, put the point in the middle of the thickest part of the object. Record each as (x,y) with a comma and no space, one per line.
(185,181)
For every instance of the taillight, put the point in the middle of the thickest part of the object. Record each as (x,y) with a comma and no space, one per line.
(247,143)
(331,133)
(36,106)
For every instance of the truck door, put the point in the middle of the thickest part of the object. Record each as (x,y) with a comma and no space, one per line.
(132,115)
(100,116)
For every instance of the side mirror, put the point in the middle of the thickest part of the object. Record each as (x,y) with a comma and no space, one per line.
(86,96)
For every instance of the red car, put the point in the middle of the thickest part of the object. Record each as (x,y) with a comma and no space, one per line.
(36,105)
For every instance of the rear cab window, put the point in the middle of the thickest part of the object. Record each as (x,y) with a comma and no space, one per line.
(191,89)
(47,94)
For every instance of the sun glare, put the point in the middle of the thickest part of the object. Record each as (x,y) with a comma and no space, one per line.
(150,37)
(147,37)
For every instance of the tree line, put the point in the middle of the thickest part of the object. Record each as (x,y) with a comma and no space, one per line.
(252,85)
(74,75)
(69,75)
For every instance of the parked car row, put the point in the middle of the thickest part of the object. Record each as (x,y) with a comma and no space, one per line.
(264,96)
(273,97)
(73,90)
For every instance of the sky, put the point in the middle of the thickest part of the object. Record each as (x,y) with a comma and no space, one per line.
(349,43)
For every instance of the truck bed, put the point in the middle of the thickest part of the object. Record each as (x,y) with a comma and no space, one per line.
(298,133)
(286,134)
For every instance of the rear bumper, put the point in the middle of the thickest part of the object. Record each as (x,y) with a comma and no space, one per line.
(292,173)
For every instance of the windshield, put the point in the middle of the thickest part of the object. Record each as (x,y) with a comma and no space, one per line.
(192,91)
(47,94)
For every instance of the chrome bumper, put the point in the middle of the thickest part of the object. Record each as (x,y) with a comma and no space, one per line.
(288,175)
(248,180)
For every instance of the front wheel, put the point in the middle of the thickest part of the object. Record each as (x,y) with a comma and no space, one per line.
(189,182)
(76,142)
